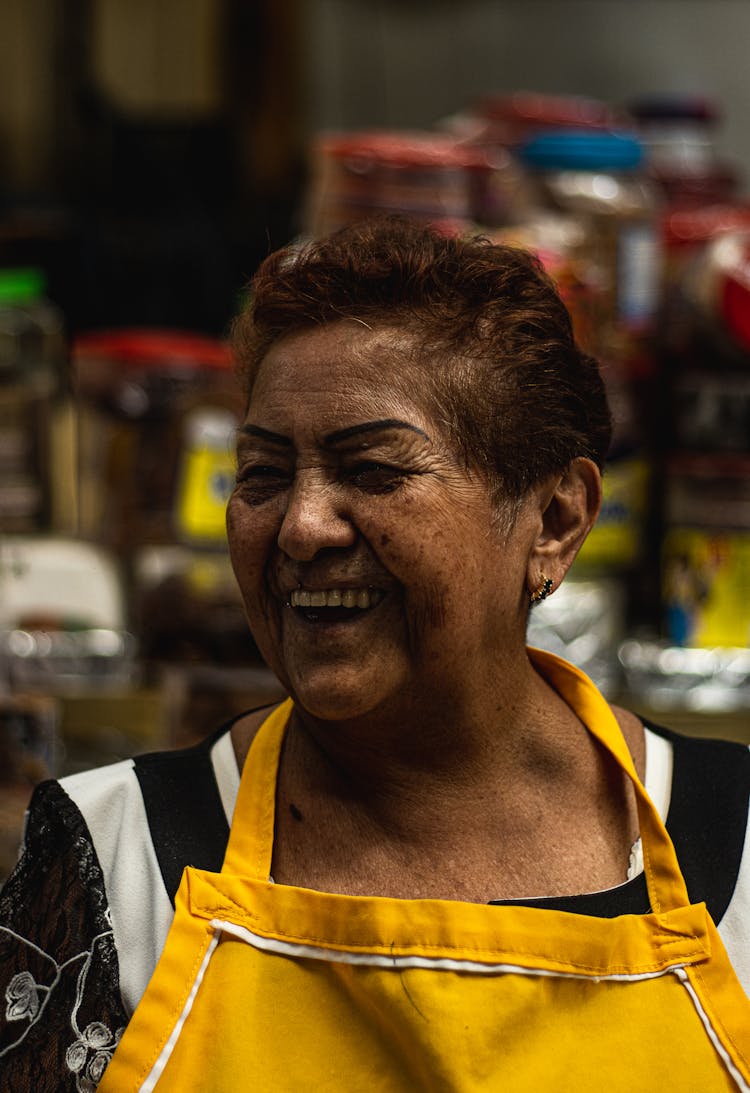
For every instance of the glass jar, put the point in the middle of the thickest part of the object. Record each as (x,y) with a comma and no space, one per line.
(420,174)
(157,413)
(592,183)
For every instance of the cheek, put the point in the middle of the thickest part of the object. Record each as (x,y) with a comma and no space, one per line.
(431,607)
(250,537)
(422,565)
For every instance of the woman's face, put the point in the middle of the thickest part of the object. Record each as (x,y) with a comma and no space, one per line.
(370,560)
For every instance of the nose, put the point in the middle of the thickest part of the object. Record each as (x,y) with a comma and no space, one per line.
(314,519)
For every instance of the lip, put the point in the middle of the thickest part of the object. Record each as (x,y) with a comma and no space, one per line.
(358,603)
(284,584)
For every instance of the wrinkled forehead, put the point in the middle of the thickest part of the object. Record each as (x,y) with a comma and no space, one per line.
(386,360)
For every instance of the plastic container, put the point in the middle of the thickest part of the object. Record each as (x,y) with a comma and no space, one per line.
(62,616)
(32,357)
(421,174)
(720,286)
(157,416)
(188,608)
(594,183)
(516,118)
(584,621)
(493,128)
(687,680)
(678,133)
(706,552)
(689,237)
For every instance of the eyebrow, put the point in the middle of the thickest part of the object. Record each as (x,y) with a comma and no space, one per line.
(340,435)
(266,434)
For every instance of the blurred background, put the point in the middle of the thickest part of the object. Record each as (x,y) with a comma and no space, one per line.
(153,151)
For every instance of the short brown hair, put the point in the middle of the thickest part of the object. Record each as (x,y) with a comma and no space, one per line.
(487,326)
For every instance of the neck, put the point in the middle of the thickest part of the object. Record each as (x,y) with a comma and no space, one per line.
(443,748)
(502,795)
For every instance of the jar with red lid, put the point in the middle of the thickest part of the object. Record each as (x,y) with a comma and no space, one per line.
(157,411)
(694,281)
(516,118)
(422,174)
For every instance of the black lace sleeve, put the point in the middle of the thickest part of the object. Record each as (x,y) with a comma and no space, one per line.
(61,1013)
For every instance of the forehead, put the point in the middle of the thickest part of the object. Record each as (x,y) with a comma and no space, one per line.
(343,362)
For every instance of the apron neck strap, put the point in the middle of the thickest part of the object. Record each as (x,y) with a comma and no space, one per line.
(666,887)
(250,847)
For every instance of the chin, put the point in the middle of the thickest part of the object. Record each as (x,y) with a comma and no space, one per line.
(331,707)
(334,695)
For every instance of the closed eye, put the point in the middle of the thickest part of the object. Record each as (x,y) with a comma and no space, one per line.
(375,477)
(257,482)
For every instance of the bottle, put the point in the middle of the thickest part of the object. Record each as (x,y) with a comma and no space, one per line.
(31,382)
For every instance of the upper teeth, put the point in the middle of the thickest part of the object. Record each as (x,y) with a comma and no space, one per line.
(335,597)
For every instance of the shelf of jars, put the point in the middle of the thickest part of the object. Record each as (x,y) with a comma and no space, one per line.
(121,627)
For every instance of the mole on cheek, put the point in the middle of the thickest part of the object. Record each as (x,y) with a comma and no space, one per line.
(385,540)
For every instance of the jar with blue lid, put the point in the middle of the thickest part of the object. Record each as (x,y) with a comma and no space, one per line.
(595,183)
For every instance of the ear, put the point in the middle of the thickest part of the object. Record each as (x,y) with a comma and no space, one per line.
(568,505)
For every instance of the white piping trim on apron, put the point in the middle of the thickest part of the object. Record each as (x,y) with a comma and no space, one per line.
(293,949)
(720,1049)
(157,1069)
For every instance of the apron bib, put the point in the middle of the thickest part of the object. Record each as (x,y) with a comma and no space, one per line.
(275,988)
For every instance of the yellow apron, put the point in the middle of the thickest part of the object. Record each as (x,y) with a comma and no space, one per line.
(273,988)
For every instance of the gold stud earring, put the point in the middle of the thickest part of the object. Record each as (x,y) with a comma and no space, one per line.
(543,590)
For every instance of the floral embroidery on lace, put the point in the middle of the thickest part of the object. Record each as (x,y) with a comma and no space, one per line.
(58,961)
(22,996)
(88,1056)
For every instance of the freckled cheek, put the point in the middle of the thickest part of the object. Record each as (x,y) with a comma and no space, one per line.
(251,540)
(423,573)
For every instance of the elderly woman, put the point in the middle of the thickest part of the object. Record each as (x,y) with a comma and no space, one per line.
(444,871)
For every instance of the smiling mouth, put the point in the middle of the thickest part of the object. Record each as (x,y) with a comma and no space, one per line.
(333,604)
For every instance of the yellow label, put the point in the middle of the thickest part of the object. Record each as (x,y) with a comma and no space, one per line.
(706,587)
(207,481)
(616,538)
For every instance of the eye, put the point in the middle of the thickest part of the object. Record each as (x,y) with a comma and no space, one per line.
(257,482)
(375,477)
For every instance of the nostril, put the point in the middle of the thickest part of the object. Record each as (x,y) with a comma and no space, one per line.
(311,525)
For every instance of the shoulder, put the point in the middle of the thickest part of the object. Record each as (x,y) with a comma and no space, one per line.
(101,795)
(710,784)
(148,817)
(707,815)
(57,950)
(116,801)
(708,819)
